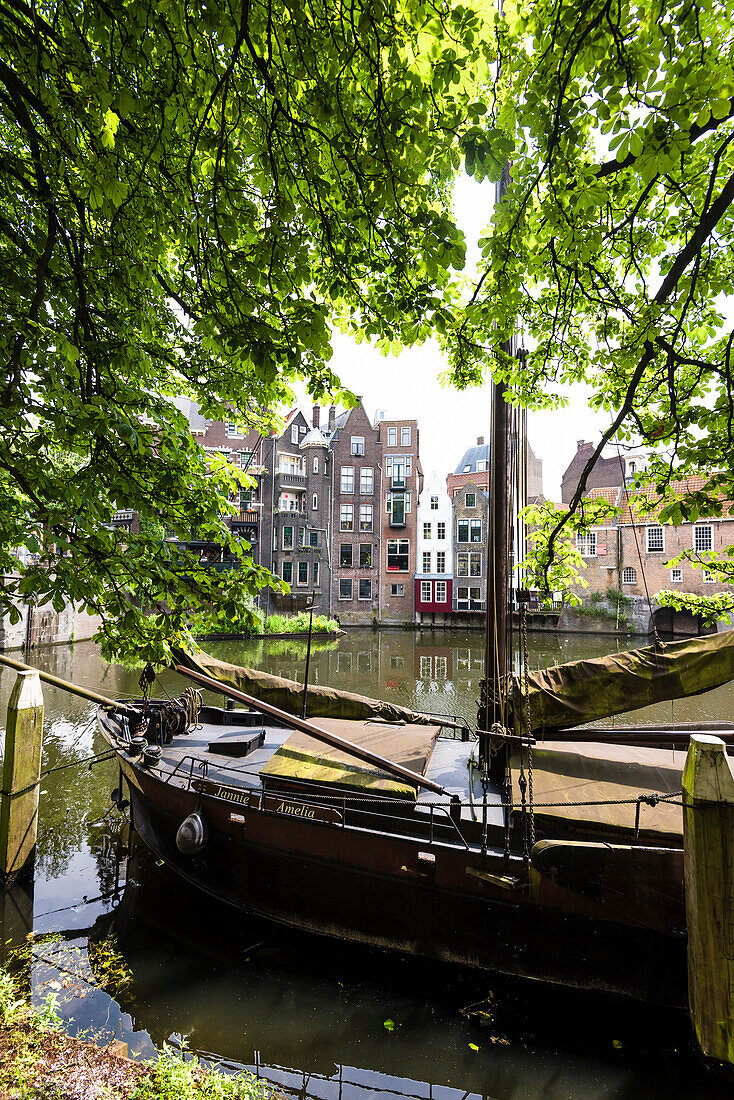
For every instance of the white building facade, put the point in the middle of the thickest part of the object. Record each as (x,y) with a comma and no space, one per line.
(434,559)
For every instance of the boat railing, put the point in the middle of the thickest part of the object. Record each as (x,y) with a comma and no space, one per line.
(191,769)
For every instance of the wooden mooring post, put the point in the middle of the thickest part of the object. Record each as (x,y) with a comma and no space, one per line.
(21,777)
(708,837)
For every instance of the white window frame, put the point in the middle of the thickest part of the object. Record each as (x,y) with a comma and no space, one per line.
(470,497)
(287,564)
(316,572)
(346,517)
(440,592)
(315,464)
(357,445)
(360,582)
(289,544)
(586,544)
(700,528)
(426,561)
(398,553)
(426,531)
(441,530)
(302,583)
(426,591)
(459,524)
(367,511)
(365,546)
(653,530)
(440,561)
(346,477)
(366,481)
(392,437)
(709,577)
(434,504)
(343,582)
(629,575)
(405,437)
(475,525)
(350,563)
(294,433)
(397,589)
(314,502)
(676,575)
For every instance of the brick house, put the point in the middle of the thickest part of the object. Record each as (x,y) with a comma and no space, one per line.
(470,530)
(297,489)
(356,456)
(606,473)
(402,482)
(434,574)
(632,554)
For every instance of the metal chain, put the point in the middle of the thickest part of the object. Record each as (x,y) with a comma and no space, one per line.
(528,722)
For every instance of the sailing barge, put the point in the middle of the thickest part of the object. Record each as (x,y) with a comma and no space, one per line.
(383,827)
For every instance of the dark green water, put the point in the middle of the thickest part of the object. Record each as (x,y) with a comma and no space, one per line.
(305,1013)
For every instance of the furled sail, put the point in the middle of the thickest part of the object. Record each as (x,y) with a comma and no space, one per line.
(583,691)
(323,702)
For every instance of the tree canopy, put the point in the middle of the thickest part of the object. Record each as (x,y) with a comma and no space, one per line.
(613,243)
(190,193)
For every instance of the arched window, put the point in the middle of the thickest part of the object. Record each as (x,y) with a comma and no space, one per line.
(629,575)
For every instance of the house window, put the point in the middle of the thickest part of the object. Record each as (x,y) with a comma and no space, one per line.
(287,538)
(294,434)
(481,465)
(315,464)
(398,465)
(345,589)
(347,482)
(440,592)
(396,504)
(397,589)
(471,500)
(365,589)
(629,575)
(303,572)
(301,536)
(313,538)
(426,591)
(392,437)
(366,480)
(440,530)
(344,658)
(357,445)
(427,561)
(405,437)
(345,555)
(426,530)
(655,540)
(398,555)
(586,544)
(463,530)
(676,576)
(314,502)
(475,565)
(703,537)
(441,561)
(467,469)
(434,504)
(365,517)
(315,573)
(462,565)
(709,577)
(397,662)
(233,429)
(346,517)
(287,571)
(476,530)
(365,556)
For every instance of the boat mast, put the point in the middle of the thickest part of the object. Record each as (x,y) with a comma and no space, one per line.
(495,642)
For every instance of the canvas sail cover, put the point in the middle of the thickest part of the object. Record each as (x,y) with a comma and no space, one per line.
(584,691)
(323,702)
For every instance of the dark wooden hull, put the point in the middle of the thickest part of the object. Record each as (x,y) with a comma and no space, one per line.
(618,930)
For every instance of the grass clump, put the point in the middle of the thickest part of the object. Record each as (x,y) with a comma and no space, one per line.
(173,1077)
(298,624)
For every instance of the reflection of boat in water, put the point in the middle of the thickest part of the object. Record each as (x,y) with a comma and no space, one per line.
(392,842)
(309,1014)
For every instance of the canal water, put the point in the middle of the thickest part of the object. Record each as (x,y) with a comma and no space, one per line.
(131,952)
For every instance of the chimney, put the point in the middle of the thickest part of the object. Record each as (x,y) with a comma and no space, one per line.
(316,416)
(480,441)
(332,418)
(580,443)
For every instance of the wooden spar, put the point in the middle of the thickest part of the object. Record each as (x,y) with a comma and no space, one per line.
(56,681)
(638,735)
(307,726)
(21,777)
(708,851)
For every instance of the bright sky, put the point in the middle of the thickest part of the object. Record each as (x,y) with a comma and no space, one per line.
(407,385)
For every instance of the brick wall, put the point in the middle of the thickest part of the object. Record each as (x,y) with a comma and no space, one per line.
(399,439)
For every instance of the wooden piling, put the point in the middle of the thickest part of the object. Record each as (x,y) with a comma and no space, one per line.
(21,777)
(708,833)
